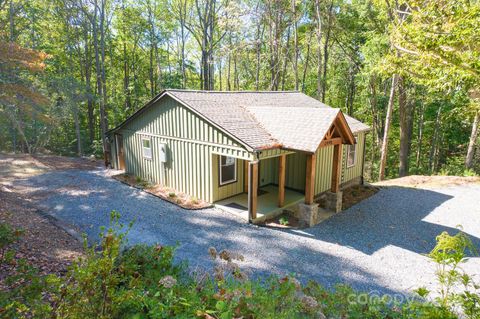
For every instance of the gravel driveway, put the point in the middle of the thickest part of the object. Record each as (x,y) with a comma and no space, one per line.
(375,245)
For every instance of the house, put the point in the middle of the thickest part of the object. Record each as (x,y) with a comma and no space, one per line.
(249,151)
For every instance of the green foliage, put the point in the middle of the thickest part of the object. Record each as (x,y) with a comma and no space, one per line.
(283,221)
(142,281)
(8,235)
(449,253)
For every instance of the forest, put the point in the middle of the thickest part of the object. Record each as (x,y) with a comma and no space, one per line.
(70,70)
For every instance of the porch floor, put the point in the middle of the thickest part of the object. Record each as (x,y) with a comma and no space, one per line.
(266,203)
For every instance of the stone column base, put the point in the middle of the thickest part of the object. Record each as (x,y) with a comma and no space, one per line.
(333,201)
(307,215)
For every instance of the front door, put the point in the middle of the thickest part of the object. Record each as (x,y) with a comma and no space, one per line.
(120,154)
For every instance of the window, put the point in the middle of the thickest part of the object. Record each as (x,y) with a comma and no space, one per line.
(351,155)
(147,148)
(228,170)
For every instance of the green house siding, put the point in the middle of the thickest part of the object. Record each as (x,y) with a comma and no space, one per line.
(350,173)
(295,168)
(193,147)
(191,143)
(295,171)
(228,190)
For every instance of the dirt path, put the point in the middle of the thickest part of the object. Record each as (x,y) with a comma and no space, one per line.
(43,244)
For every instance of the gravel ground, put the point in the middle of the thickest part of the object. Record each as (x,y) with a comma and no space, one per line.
(376,245)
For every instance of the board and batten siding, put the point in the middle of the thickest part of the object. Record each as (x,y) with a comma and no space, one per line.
(295,168)
(350,173)
(230,189)
(192,144)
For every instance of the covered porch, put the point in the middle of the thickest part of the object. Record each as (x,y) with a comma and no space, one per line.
(267,203)
(305,207)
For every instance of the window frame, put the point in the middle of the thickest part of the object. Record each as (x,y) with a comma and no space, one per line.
(150,147)
(235,179)
(349,149)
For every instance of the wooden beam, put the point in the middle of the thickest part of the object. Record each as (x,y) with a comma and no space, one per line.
(281,179)
(333,141)
(245,176)
(310,179)
(337,165)
(252,190)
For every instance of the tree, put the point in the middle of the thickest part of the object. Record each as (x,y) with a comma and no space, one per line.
(20,100)
(440,48)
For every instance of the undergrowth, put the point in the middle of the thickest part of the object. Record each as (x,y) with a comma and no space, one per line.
(144,282)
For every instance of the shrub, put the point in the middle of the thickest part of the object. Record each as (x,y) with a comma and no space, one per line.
(142,281)
(283,221)
(456,288)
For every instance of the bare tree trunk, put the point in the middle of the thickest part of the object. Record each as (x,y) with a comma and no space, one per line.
(229,86)
(472,141)
(388,119)
(350,90)
(325,54)
(77,129)
(431,160)
(11,14)
(406,123)
(285,59)
(421,112)
(319,51)
(307,60)
(295,44)
(373,107)
(88,84)
(99,63)
(182,17)
(236,82)
(220,74)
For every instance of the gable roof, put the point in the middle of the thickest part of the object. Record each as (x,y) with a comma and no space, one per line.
(263,120)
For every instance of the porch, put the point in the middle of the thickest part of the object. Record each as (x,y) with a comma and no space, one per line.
(267,205)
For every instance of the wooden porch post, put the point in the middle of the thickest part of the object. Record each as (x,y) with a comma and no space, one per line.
(281,179)
(252,189)
(245,176)
(337,165)
(310,179)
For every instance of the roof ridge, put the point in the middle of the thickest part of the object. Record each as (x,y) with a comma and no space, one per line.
(243,91)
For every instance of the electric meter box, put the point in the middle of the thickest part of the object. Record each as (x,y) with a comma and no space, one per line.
(163,153)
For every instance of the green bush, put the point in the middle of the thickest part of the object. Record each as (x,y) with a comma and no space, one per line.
(144,282)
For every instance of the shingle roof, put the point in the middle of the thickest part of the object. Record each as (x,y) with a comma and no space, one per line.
(267,119)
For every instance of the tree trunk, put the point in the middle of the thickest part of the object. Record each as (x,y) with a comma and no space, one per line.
(471,144)
(421,112)
(307,60)
(388,119)
(77,129)
(319,50)
(325,54)
(295,44)
(285,59)
(373,107)
(406,123)
(431,160)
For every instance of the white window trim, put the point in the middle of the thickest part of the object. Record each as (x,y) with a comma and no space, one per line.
(220,171)
(354,155)
(143,148)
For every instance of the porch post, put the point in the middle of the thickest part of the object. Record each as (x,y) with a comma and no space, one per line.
(281,179)
(310,179)
(252,190)
(337,165)
(245,176)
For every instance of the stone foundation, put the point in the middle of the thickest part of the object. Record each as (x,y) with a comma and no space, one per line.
(307,215)
(333,201)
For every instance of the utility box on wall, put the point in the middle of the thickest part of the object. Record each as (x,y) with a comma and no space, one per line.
(162,153)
